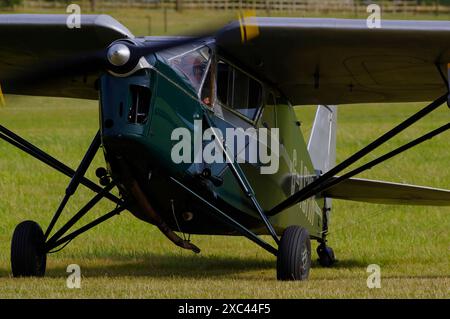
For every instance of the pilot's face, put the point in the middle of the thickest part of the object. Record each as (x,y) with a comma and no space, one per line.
(198,71)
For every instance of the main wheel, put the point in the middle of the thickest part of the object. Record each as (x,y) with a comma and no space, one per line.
(27,250)
(294,254)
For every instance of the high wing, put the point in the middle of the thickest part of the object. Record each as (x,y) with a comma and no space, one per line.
(32,40)
(342,61)
(312,61)
(364,190)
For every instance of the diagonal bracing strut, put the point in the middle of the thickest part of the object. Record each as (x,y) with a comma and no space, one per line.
(25,146)
(77,178)
(326,180)
(230,221)
(75,181)
(243,183)
(401,149)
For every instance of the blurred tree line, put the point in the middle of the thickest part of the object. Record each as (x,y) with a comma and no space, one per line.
(12,3)
(419,2)
(179,3)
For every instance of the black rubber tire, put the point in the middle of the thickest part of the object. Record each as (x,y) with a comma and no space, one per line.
(294,254)
(27,250)
(326,256)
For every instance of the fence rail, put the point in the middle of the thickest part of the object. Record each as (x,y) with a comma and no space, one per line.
(341,6)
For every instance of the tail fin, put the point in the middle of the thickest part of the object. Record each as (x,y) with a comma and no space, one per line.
(322,143)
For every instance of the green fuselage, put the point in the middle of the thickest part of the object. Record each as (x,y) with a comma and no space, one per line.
(139,114)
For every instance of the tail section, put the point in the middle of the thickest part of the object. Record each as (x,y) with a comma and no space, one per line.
(322,143)
(322,149)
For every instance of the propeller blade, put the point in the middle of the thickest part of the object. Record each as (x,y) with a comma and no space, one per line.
(120,57)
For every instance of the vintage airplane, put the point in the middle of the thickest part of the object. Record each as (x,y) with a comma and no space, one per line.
(243,78)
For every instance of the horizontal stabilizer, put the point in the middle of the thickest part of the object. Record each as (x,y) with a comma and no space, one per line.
(364,190)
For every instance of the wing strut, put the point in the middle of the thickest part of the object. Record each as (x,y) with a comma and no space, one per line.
(325,181)
(385,157)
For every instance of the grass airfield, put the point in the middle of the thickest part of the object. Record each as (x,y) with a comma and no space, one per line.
(126,258)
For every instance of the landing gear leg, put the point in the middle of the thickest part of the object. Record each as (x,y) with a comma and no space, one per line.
(30,245)
(326,254)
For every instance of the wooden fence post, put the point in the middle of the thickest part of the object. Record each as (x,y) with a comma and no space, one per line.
(93,5)
(149,24)
(165,19)
(179,5)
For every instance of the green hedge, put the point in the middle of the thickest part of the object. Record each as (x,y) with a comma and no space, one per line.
(421,2)
(10,3)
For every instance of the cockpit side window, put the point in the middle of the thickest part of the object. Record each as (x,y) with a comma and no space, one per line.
(238,91)
(207,89)
(223,81)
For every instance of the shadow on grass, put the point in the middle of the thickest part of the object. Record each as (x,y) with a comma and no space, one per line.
(179,266)
(342,264)
(158,265)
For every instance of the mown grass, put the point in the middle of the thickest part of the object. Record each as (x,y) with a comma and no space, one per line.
(125,258)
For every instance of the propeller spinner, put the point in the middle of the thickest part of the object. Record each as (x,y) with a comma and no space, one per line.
(118,54)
